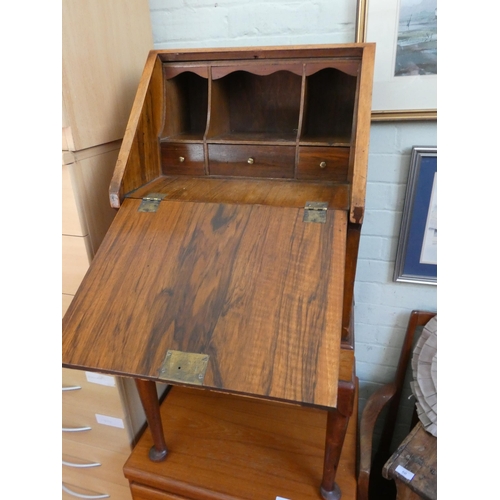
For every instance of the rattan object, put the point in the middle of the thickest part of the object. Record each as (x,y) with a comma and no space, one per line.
(424,385)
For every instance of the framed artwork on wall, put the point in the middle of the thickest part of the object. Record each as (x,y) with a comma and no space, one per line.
(405,78)
(416,255)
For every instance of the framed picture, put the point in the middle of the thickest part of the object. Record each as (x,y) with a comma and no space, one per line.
(405,78)
(416,255)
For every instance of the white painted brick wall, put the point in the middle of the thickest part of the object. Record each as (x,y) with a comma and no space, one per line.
(382,306)
(223,23)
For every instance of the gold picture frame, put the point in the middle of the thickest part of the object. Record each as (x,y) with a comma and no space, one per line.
(361,34)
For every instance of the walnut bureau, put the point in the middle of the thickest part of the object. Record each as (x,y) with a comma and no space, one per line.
(230,264)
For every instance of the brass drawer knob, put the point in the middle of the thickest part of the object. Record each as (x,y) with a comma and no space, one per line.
(322,164)
(250,161)
(181,158)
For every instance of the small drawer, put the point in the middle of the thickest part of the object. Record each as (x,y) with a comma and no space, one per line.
(251,161)
(323,163)
(182,159)
(91,381)
(85,429)
(101,396)
(92,462)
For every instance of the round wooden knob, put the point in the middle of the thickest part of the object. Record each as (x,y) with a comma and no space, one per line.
(322,164)
(250,160)
(181,158)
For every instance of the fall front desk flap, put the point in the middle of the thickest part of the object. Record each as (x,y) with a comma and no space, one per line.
(241,298)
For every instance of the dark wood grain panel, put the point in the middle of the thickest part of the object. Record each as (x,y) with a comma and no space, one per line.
(252,286)
(251,161)
(361,136)
(275,192)
(320,163)
(182,159)
(139,158)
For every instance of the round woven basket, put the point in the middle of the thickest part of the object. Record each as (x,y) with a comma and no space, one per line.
(424,385)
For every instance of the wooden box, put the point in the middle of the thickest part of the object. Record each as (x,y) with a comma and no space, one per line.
(230,265)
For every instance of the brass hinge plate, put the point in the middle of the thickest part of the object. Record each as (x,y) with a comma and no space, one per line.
(186,367)
(151,202)
(315,211)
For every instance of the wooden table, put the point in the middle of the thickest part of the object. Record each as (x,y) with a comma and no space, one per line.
(413,466)
(238,448)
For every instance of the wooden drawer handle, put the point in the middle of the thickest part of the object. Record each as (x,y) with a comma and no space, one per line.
(322,164)
(181,159)
(76,429)
(250,161)
(71,388)
(81,466)
(79,495)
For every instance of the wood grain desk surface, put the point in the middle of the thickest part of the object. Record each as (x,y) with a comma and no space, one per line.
(250,285)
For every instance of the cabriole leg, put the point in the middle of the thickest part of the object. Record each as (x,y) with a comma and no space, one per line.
(151,405)
(336,429)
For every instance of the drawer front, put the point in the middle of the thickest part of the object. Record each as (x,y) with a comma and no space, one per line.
(251,161)
(323,163)
(85,429)
(75,262)
(92,462)
(182,159)
(140,492)
(71,223)
(93,489)
(99,394)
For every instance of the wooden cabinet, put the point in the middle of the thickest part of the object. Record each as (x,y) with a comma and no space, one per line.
(104,44)
(230,265)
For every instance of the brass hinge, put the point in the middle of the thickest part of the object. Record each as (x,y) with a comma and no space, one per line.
(187,367)
(315,211)
(151,202)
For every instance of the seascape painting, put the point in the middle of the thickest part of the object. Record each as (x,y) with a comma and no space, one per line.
(417,38)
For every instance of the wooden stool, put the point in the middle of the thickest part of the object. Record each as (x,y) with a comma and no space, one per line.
(238,448)
(413,466)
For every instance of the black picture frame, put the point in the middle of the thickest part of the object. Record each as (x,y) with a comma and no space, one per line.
(416,255)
